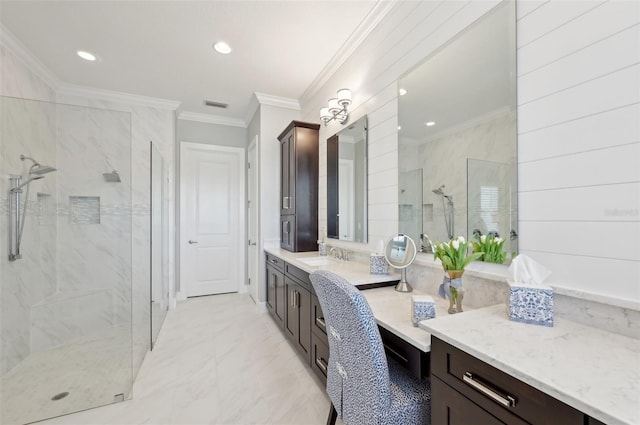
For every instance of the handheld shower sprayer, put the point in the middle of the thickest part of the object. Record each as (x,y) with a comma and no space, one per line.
(448,221)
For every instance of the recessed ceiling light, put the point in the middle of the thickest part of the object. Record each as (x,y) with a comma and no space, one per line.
(222,47)
(430,124)
(399,127)
(402,92)
(86,55)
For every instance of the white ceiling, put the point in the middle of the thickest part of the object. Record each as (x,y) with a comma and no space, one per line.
(163,49)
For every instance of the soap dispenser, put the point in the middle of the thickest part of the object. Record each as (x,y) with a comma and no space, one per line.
(322,245)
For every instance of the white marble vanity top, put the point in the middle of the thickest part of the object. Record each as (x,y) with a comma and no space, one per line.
(392,311)
(595,371)
(354,272)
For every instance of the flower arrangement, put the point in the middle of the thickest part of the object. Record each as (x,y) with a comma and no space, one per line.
(453,254)
(490,247)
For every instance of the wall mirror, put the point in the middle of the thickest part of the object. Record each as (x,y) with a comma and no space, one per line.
(457,137)
(347,183)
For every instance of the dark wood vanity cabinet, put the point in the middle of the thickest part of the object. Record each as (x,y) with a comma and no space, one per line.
(299,187)
(297,325)
(275,289)
(465,390)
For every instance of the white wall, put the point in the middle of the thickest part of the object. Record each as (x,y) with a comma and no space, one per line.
(578,147)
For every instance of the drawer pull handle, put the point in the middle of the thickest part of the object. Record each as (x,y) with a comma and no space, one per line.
(322,364)
(321,324)
(273,260)
(505,400)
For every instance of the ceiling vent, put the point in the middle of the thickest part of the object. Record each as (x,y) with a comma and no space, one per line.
(216,104)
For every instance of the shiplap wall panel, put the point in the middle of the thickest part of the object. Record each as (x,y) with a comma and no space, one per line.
(603,239)
(578,33)
(602,166)
(611,91)
(382,146)
(546,19)
(579,147)
(594,274)
(383,178)
(616,202)
(616,127)
(579,66)
(527,7)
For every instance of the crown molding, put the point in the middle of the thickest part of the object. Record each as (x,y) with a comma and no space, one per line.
(11,42)
(281,102)
(119,97)
(373,18)
(211,119)
(251,109)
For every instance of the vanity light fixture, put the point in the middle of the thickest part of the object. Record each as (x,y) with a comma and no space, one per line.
(430,123)
(222,48)
(337,108)
(86,55)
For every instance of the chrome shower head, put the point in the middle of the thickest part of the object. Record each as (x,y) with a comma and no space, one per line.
(37,168)
(112,177)
(439,190)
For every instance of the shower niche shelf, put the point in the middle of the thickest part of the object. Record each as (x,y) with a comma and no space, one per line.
(84,209)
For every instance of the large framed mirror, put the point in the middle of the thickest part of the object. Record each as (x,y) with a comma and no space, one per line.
(347,183)
(457,137)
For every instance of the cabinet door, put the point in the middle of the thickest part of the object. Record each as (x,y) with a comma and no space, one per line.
(451,408)
(279,310)
(287,232)
(291,319)
(287,173)
(271,290)
(303,307)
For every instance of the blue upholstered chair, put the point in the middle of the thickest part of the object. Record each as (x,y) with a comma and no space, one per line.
(364,387)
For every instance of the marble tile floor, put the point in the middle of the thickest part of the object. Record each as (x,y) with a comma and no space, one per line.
(92,370)
(218,360)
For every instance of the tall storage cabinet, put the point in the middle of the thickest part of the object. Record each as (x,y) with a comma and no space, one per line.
(299,187)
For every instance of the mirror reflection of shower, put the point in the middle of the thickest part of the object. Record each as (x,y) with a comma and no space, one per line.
(448,215)
(18,210)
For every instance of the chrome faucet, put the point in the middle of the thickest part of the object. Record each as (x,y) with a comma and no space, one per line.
(427,245)
(340,253)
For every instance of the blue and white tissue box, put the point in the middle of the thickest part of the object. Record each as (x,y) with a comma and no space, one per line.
(378,264)
(422,307)
(532,304)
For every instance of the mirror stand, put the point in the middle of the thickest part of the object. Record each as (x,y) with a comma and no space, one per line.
(403,285)
(400,252)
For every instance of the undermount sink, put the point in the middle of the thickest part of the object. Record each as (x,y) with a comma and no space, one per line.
(316,261)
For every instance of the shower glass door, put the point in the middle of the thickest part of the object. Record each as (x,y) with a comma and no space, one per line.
(65,304)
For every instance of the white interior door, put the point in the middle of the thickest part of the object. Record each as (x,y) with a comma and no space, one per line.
(253,208)
(211,219)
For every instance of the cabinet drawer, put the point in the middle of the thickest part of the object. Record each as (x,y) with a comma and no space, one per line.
(301,276)
(407,355)
(449,407)
(495,391)
(318,325)
(276,262)
(319,357)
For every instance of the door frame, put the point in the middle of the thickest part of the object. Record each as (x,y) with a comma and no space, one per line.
(256,201)
(242,228)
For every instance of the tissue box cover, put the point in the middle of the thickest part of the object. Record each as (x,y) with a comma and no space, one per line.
(378,265)
(531,304)
(422,307)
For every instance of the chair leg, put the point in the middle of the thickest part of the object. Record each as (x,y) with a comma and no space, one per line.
(333,415)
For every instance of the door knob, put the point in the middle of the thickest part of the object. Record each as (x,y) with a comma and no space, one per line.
(192,242)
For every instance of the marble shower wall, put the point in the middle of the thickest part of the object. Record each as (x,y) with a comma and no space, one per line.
(28,128)
(155,124)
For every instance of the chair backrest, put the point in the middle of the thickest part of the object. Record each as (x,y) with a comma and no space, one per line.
(358,373)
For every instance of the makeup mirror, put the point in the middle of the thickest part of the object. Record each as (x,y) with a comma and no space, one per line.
(400,251)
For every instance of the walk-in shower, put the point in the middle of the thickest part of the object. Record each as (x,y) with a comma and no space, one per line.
(448,213)
(18,211)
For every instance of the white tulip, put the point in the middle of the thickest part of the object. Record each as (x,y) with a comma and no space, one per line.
(498,240)
(461,239)
(455,244)
(483,238)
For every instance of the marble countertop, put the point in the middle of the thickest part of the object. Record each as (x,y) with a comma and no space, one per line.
(392,311)
(595,371)
(355,272)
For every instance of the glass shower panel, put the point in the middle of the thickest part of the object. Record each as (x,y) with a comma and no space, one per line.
(159,243)
(491,200)
(410,214)
(65,304)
